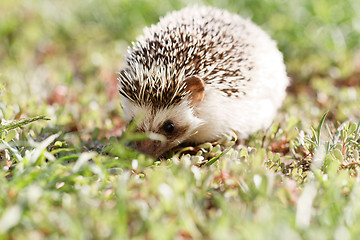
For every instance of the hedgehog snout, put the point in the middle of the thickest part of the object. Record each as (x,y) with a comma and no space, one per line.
(150,147)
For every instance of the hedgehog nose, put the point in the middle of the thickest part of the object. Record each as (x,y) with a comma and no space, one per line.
(148,146)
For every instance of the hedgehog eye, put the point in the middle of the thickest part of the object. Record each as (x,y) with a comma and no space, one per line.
(168,127)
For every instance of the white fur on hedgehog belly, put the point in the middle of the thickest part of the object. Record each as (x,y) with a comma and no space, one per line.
(221,115)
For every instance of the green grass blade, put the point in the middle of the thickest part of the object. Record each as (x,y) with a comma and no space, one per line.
(19,123)
(320,126)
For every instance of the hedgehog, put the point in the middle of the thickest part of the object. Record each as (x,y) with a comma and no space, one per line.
(199,74)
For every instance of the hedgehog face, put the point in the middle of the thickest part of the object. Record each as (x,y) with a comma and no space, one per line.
(176,123)
(175,120)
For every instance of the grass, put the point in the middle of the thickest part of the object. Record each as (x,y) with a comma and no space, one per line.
(67,174)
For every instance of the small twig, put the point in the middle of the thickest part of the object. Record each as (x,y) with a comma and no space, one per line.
(349,164)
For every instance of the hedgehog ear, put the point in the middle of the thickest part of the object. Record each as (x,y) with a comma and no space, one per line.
(195,86)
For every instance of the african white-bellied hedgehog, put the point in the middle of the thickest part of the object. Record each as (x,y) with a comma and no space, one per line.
(199,74)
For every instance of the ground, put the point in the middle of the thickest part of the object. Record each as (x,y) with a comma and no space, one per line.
(67,173)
